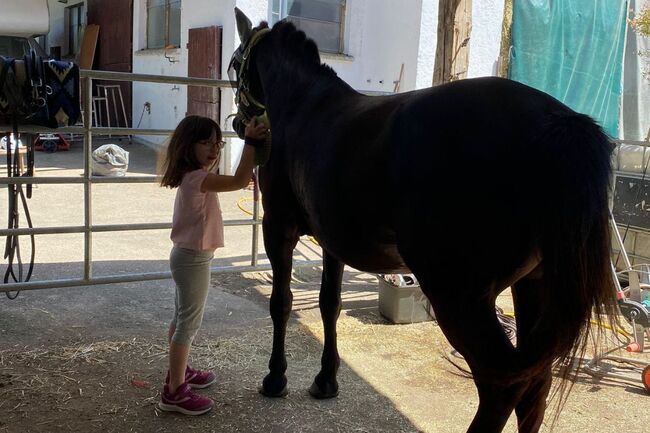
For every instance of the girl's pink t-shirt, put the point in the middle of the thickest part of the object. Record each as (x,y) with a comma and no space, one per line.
(197,223)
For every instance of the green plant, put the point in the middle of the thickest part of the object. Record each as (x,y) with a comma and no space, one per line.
(641,24)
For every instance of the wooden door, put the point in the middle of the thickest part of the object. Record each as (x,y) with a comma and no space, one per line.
(204,61)
(115,45)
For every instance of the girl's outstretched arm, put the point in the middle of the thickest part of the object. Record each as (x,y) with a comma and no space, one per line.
(221,183)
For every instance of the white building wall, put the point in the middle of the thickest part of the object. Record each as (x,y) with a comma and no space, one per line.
(487,19)
(169,102)
(485,39)
(428,38)
(58,35)
(379,36)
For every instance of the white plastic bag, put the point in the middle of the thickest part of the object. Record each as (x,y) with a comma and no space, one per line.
(110,160)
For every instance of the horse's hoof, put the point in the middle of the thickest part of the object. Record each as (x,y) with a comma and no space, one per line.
(274,387)
(283,392)
(329,391)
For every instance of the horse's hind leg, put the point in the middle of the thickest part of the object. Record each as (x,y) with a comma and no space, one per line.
(280,239)
(468,319)
(329,300)
(530,409)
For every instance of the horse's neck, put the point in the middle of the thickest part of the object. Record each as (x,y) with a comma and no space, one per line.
(286,86)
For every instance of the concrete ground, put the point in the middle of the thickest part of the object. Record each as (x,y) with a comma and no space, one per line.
(91,359)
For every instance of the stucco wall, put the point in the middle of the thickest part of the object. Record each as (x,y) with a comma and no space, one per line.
(378,39)
(377,42)
(428,38)
(169,102)
(485,39)
(487,17)
(379,36)
(58,35)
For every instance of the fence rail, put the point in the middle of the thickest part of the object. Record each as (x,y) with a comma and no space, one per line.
(88,228)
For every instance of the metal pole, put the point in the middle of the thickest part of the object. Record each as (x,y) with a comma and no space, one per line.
(256,215)
(30,129)
(150,78)
(146,276)
(88,141)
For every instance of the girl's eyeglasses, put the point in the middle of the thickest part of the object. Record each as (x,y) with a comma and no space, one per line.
(207,143)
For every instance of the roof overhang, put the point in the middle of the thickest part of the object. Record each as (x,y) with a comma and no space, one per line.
(24,17)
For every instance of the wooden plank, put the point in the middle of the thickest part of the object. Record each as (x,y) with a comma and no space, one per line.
(88,46)
(503,65)
(452,50)
(22,154)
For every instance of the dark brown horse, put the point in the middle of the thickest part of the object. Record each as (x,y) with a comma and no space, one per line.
(491,184)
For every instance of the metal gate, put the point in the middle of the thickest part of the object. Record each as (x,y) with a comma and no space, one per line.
(631,199)
(88,228)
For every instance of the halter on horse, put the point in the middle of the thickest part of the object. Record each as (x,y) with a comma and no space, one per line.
(529,211)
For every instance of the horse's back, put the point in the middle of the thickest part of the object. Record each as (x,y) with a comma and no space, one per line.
(475,173)
(467,112)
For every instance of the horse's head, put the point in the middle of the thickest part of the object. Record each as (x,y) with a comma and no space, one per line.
(282,61)
(249,95)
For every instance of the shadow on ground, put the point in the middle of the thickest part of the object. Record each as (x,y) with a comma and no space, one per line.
(92,360)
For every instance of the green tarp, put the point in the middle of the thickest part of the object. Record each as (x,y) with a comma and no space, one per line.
(573,50)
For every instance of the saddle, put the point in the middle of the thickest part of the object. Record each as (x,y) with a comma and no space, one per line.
(37,91)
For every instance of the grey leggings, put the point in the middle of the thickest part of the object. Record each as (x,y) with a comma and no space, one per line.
(191,273)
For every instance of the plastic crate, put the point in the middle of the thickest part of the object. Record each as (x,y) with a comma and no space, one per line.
(401,300)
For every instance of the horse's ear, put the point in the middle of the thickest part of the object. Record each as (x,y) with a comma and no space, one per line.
(244,26)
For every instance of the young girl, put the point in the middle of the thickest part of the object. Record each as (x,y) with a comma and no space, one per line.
(197,230)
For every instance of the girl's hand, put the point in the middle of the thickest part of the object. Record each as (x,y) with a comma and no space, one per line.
(256,131)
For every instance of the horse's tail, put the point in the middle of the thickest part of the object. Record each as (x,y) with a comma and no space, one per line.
(573,220)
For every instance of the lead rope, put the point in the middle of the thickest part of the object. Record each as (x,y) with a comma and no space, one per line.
(12,244)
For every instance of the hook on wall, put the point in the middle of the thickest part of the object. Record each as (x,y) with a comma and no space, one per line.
(170,59)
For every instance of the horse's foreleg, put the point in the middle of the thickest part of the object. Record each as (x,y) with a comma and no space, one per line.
(279,242)
(531,407)
(329,300)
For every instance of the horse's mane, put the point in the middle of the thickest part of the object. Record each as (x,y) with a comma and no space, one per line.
(298,51)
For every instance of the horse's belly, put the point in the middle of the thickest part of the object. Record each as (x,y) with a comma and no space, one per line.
(351,223)
(365,253)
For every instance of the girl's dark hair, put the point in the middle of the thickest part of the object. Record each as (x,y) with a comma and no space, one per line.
(180,157)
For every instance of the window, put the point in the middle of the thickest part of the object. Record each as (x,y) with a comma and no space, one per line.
(163,23)
(321,20)
(76,25)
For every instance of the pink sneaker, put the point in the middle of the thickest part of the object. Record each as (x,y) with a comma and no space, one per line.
(184,401)
(197,379)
